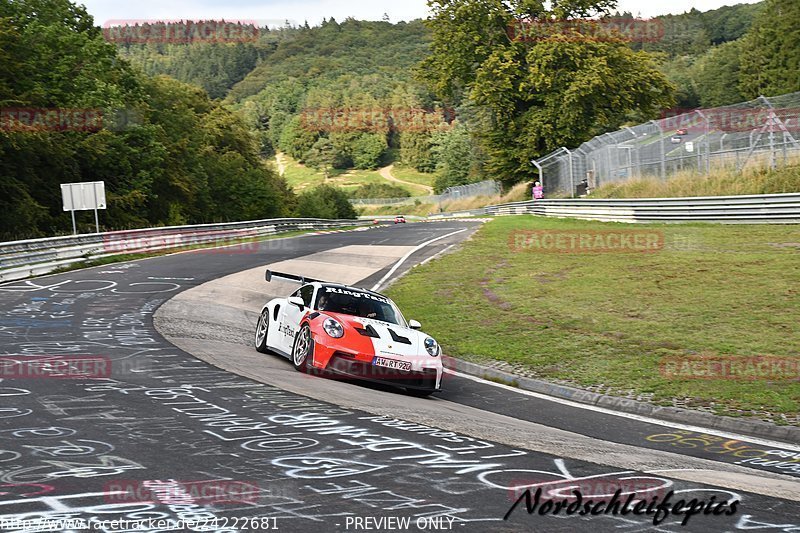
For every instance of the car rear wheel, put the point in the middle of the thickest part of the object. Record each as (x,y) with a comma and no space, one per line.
(303,350)
(261,332)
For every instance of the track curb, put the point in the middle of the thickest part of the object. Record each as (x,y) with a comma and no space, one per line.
(754,428)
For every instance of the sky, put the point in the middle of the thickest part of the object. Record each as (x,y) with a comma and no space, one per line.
(275,12)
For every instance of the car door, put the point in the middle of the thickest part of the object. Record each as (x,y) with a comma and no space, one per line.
(290,317)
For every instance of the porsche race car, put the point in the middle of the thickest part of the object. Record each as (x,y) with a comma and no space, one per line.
(351,332)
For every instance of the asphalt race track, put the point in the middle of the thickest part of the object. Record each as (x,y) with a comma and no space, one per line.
(205,429)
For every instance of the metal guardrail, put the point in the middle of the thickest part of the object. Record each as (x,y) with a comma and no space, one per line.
(22,259)
(754,209)
(768,209)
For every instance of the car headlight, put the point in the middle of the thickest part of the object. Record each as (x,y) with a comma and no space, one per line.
(333,328)
(431,347)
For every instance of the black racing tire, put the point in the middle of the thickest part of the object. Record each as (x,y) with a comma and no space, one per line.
(419,393)
(303,350)
(262,329)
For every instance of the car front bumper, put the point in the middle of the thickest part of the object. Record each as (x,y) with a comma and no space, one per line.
(345,364)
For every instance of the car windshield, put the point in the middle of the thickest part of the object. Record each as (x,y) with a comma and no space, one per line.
(358,303)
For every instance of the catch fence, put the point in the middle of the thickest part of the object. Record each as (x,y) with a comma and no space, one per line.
(763,132)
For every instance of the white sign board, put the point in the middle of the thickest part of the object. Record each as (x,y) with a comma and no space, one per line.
(689,146)
(86,196)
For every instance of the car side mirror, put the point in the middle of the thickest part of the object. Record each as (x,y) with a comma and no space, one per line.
(296,300)
(413,324)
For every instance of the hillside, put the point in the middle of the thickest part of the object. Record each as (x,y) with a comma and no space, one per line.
(448,101)
(281,80)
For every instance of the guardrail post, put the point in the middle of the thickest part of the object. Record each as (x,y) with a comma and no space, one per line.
(571,179)
(661,145)
(708,142)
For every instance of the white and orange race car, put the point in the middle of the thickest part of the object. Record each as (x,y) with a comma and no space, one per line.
(349,332)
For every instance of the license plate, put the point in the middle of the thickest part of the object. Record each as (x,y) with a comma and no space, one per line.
(392,363)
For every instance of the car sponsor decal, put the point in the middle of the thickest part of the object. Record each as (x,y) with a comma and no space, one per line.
(357,294)
(286,330)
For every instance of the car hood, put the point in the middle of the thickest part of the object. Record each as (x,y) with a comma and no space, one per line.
(394,340)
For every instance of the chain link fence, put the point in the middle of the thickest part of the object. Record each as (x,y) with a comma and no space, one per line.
(763,132)
(471,190)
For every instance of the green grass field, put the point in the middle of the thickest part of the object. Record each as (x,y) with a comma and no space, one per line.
(301,177)
(608,320)
(404,173)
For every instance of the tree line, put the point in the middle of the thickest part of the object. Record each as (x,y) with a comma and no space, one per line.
(188,127)
(167,152)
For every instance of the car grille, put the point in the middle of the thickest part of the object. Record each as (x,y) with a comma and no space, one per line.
(344,363)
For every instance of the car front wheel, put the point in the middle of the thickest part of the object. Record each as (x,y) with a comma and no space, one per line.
(303,350)
(262,328)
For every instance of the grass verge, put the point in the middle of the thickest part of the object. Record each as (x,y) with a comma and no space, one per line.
(720,182)
(609,321)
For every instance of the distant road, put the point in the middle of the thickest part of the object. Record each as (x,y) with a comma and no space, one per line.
(386,173)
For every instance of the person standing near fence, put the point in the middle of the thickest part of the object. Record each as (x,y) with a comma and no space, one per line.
(538,191)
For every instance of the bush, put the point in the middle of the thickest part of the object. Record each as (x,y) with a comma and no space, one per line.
(325,202)
(368,151)
(380,190)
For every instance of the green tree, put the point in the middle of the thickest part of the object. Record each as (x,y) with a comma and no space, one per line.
(454,152)
(416,151)
(536,94)
(368,150)
(182,159)
(771,58)
(716,75)
(681,72)
(321,156)
(325,202)
(296,139)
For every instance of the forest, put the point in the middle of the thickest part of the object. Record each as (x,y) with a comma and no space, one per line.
(189,128)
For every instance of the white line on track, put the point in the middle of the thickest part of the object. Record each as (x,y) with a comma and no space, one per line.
(631,416)
(431,258)
(402,260)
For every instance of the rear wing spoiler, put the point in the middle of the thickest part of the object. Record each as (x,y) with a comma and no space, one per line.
(302,280)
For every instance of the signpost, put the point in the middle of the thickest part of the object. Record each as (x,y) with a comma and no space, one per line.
(87,196)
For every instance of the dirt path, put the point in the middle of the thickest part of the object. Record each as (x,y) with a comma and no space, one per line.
(386,173)
(281,163)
